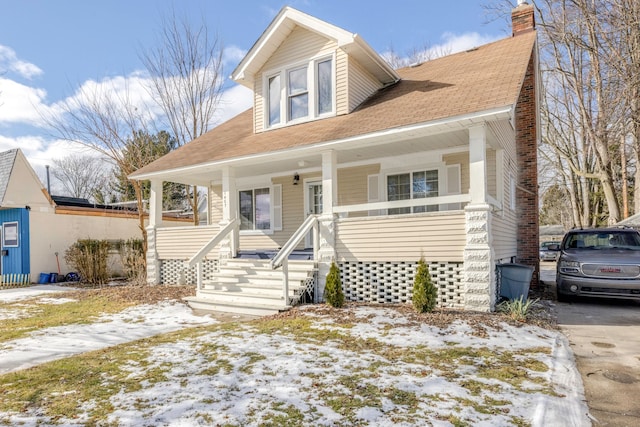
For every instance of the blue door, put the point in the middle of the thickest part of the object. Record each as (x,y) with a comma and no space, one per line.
(14,241)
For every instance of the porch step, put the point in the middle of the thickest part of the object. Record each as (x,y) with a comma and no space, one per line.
(251,286)
(253,308)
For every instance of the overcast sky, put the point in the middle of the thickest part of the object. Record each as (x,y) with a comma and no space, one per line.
(50,49)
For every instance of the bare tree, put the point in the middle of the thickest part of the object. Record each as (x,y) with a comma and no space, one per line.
(81,175)
(414,56)
(103,119)
(187,77)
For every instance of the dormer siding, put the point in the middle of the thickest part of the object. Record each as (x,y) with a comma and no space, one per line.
(361,85)
(300,46)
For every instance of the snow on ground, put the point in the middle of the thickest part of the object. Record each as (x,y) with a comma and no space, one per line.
(250,376)
(17,294)
(63,341)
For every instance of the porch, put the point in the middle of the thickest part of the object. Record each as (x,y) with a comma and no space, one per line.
(441,197)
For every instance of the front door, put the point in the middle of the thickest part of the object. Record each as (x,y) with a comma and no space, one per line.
(313,205)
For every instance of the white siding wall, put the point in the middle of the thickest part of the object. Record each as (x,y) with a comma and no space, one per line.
(361,84)
(436,236)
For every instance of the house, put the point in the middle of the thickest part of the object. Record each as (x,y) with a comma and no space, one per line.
(344,159)
(36,228)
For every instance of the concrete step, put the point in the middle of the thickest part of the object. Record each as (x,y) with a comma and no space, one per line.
(228,279)
(260,263)
(251,288)
(253,308)
(255,272)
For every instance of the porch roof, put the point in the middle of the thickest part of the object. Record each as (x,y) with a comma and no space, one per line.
(487,78)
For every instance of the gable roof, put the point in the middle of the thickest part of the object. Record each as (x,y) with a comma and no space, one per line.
(285,22)
(7,160)
(482,79)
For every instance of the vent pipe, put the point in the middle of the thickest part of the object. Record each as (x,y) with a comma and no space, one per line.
(48,180)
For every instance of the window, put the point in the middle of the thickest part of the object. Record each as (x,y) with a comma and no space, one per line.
(414,185)
(325,87)
(300,93)
(274,100)
(255,209)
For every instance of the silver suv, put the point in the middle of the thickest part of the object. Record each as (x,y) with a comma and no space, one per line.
(600,262)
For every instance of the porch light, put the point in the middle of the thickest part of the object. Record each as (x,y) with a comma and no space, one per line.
(296,179)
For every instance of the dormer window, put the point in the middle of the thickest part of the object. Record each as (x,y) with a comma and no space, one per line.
(307,92)
(298,93)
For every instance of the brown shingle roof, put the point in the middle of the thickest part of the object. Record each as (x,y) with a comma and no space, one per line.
(476,80)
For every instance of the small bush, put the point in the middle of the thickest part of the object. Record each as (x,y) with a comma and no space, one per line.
(517,309)
(133,261)
(333,287)
(89,258)
(425,294)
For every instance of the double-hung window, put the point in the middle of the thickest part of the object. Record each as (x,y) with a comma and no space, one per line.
(412,185)
(301,92)
(255,209)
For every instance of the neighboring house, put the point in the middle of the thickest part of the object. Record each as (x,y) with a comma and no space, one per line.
(368,166)
(36,226)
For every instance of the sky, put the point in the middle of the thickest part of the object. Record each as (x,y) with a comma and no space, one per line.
(51,49)
(247,390)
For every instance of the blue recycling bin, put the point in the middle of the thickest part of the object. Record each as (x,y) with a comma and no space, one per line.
(514,280)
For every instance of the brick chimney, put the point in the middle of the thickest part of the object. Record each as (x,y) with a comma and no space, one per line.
(522,18)
(526,126)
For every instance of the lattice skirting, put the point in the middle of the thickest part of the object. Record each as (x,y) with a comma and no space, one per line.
(174,271)
(392,282)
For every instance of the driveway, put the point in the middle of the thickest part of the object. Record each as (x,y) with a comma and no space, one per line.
(605,338)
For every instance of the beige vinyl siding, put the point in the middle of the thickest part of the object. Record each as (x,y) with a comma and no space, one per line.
(361,84)
(505,135)
(504,223)
(292,215)
(184,242)
(491,173)
(352,189)
(342,82)
(461,159)
(258,102)
(301,45)
(352,186)
(436,236)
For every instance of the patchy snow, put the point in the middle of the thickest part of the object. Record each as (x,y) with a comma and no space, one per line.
(129,325)
(242,376)
(11,295)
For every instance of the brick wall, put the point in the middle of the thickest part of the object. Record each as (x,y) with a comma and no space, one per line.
(527,190)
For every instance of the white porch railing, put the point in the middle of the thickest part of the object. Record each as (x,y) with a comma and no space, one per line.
(426,201)
(197,258)
(282,257)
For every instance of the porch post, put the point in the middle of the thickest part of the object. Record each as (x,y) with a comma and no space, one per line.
(479,269)
(326,250)
(229,245)
(155,221)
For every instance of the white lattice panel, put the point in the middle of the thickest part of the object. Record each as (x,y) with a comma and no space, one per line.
(392,282)
(174,271)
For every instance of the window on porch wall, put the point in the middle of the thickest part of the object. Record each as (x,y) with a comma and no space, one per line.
(255,209)
(414,185)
